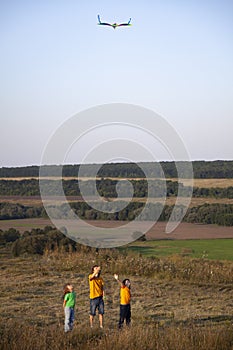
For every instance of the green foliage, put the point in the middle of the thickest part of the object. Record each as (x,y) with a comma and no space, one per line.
(211,249)
(10,235)
(9,211)
(214,192)
(219,169)
(220,214)
(107,188)
(37,241)
(201,169)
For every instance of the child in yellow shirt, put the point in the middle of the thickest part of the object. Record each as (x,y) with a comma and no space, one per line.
(96,284)
(125,296)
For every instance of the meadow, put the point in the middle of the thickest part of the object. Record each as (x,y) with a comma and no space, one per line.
(177,302)
(182,288)
(215,249)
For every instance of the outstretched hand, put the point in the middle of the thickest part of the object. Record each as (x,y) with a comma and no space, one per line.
(115,276)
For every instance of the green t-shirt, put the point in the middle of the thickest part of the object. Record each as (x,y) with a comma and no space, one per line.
(70,299)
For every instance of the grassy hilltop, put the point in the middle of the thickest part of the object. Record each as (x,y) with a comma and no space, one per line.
(182,284)
(178,303)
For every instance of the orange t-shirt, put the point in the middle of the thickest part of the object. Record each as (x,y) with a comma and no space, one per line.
(125,295)
(96,287)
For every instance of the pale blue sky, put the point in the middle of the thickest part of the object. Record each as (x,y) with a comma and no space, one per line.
(176,59)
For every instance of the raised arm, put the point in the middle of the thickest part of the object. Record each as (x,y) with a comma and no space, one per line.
(117,279)
(96,271)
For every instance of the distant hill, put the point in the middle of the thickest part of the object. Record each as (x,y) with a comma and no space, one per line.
(202,170)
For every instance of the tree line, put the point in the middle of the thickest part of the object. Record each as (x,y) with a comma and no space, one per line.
(220,214)
(38,241)
(105,188)
(108,188)
(201,169)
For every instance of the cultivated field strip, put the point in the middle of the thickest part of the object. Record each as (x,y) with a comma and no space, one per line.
(36,200)
(202,183)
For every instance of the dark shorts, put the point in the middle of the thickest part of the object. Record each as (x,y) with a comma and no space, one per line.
(96,303)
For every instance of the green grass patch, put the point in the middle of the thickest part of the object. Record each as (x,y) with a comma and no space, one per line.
(216,249)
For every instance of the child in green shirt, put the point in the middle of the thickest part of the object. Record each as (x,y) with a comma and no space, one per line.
(69,299)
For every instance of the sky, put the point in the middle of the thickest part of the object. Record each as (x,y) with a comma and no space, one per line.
(176,60)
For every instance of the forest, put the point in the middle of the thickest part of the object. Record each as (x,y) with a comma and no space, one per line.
(24,183)
(220,214)
(201,170)
(107,188)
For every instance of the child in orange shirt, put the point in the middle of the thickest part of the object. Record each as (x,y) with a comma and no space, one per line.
(97,295)
(125,296)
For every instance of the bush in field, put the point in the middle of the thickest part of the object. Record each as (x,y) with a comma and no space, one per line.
(37,241)
(10,235)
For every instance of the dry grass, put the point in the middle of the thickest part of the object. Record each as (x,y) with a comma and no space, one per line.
(36,200)
(207,183)
(173,337)
(176,303)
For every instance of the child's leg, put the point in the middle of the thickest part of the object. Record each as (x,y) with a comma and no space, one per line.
(67,319)
(128,315)
(101,320)
(91,320)
(122,316)
(101,311)
(71,322)
(92,311)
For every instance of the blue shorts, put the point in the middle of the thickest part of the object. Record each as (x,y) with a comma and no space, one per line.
(96,303)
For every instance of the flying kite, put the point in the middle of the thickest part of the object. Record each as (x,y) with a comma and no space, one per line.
(114,25)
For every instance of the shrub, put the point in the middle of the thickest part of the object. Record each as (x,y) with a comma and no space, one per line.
(8,236)
(37,241)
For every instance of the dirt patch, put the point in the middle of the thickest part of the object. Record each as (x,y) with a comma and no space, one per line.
(158,231)
(190,231)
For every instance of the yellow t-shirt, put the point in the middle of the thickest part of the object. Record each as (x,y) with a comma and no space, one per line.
(125,295)
(96,287)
